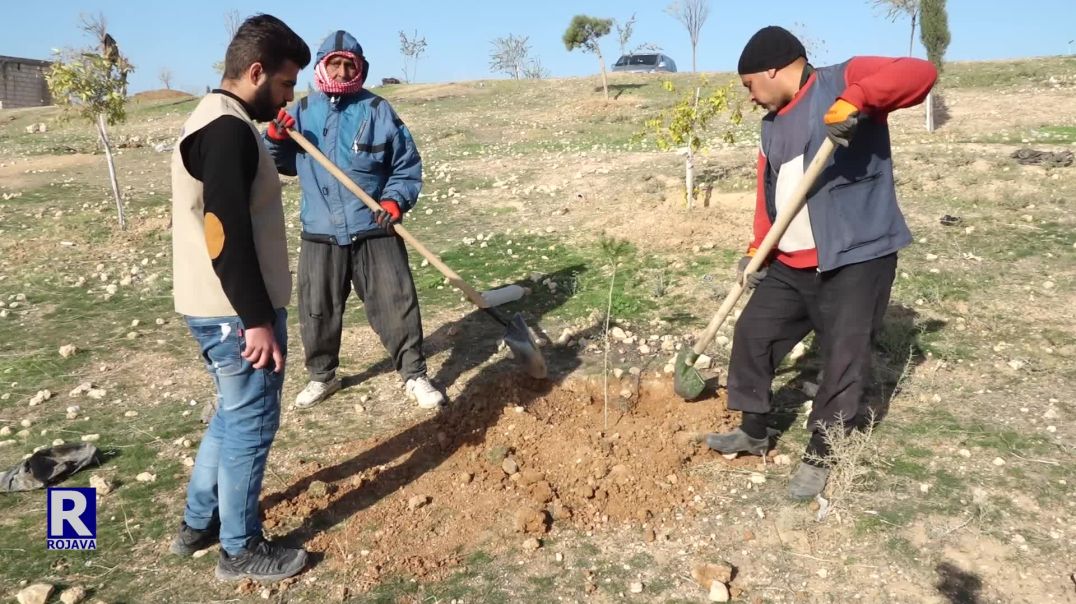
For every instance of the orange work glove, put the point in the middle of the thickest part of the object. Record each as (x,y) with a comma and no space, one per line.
(841,121)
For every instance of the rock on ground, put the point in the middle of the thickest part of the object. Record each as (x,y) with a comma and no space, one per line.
(38,593)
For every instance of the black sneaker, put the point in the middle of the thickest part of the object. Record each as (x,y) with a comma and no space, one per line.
(190,540)
(261,561)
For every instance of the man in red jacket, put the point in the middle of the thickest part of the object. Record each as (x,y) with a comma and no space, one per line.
(833,269)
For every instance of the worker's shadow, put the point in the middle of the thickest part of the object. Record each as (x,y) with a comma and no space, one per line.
(475,338)
(399,459)
(897,350)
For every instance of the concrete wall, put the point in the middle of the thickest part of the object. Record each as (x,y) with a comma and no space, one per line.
(22,83)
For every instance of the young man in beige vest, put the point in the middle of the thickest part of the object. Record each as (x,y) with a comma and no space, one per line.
(232,284)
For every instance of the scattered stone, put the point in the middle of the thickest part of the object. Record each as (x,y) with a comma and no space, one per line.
(636,587)
(509,466)
(497,454)
(266,593)
(532,544)
(708,573)
(68,351)
(81,389)
(999,461)
(96,393)
(618,373)
(57,442)
(964,453)
(618,333)
(91,438)
(146,477)
(131,413)
(757,478)
(40,397)
(559,557)
(417,502)
(200,553)
(5,431)
(101,484)
(466,478)
(782,460)
(649,535)
(719,592)
(38,593)
(317,489)
(73,595)
(703,362)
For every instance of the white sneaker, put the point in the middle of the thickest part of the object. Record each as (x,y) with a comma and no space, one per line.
(420,389)
(315,392)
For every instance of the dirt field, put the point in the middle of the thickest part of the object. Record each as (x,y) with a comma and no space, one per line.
(554,490)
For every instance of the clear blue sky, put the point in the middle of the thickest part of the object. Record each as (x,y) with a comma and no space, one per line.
(188,36)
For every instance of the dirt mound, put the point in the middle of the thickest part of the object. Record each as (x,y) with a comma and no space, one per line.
(160,95)
(503,465)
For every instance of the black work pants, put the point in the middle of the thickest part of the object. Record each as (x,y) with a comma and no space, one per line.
(844,307)
(377,268)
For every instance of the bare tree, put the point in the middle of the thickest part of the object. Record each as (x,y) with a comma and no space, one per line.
(692,14)
(624,33)
(895,9)
(411,48)
(232,21)
(533,70)
(165,76)
(509,55)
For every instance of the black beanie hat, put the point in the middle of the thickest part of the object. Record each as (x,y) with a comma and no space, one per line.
(771,47)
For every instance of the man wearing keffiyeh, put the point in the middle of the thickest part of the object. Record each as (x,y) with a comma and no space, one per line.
(344,244)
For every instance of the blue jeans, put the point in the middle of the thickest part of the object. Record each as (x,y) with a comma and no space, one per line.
(230,465)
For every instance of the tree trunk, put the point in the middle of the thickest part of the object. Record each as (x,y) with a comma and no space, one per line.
(605,83)
(689,161)
(103,133)
(930,111)
(693,68)
(911,38)
(689,177)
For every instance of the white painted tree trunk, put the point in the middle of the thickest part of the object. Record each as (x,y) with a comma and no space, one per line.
(930,112)
(103,133)
(689,161)
(689,177)
(605,82)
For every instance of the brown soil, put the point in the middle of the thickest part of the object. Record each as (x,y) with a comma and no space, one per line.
(504,463)
(160,95)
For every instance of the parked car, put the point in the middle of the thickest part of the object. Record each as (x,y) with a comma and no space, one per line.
(645,63)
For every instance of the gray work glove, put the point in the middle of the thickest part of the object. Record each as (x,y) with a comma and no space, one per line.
(753,279)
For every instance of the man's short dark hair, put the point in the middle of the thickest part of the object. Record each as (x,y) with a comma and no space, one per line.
(267,40)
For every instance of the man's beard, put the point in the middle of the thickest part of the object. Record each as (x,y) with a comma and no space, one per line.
(263,108)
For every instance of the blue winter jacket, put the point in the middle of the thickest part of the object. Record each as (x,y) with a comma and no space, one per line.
(363,136)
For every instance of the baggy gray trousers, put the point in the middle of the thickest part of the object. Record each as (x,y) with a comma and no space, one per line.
(377,268)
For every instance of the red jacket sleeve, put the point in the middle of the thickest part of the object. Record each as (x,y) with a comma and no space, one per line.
(879,85)
(762,217)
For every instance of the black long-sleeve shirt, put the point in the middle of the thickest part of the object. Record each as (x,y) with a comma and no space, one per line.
(223,155)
